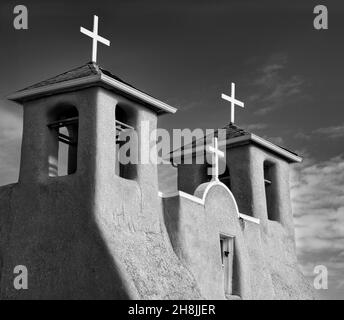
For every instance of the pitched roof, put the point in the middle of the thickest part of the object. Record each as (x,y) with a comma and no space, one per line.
(86,70)
(88,74)
(233,131)
(234,135)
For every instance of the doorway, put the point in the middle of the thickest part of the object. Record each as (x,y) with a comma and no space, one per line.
(227,260)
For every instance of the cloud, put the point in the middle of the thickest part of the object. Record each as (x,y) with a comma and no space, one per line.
(274,88)
(302,135)
(318,205)
(254,126)
(332,132)
(10,140)
(276,140)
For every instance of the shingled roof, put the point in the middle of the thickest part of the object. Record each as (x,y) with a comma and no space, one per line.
(88,75)
(86,70)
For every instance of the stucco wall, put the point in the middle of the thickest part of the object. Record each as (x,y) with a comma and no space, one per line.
(267,266)
(246,166)
(190,176)
(5,223)
(90,235)
(95,235)
(195,231)
(287,279)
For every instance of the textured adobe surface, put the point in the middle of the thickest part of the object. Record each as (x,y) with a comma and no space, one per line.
(92,234)
(95,235)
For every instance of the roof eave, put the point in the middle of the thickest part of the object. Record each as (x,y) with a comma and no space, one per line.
(163,107)
(289,156)
(24,95)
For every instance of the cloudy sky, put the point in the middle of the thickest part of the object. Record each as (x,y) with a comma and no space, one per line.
(187,53)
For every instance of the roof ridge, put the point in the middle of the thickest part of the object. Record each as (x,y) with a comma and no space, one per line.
(69,71)
(93,66)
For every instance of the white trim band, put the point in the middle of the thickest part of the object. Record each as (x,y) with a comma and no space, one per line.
(249,218)
(100,78)
(182,195)
(198,200)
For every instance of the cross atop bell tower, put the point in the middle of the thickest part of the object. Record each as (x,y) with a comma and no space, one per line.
(233,102)
(95,37)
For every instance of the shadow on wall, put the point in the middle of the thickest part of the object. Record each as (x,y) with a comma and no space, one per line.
(61,242)
(126,142)
(173,223)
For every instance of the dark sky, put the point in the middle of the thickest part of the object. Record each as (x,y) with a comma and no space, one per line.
(187,53)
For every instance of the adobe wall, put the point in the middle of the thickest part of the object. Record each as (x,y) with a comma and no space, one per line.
(287,278)
(90,235)
(5,222)
(246,169)
(94,235)
(246,166)
(190,176)
(195,230)
(129,214)
(267,262)
(75,252)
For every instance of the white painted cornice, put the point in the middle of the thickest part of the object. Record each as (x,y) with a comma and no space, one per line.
(89,81)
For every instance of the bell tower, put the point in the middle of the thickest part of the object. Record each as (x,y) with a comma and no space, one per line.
(79,116)
(255,170)
(74,196)
(259,177)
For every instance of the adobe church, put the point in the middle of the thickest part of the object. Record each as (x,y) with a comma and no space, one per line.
(104,230)
(95,228)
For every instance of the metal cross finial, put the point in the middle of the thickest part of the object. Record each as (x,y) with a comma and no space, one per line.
(95,37)
(233,101)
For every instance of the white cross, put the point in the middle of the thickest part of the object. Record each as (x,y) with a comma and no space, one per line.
(215,160)
(233,101)
(96,38)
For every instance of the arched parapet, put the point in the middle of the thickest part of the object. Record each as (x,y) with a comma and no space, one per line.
(202,228)
(202,192)
(200,196)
